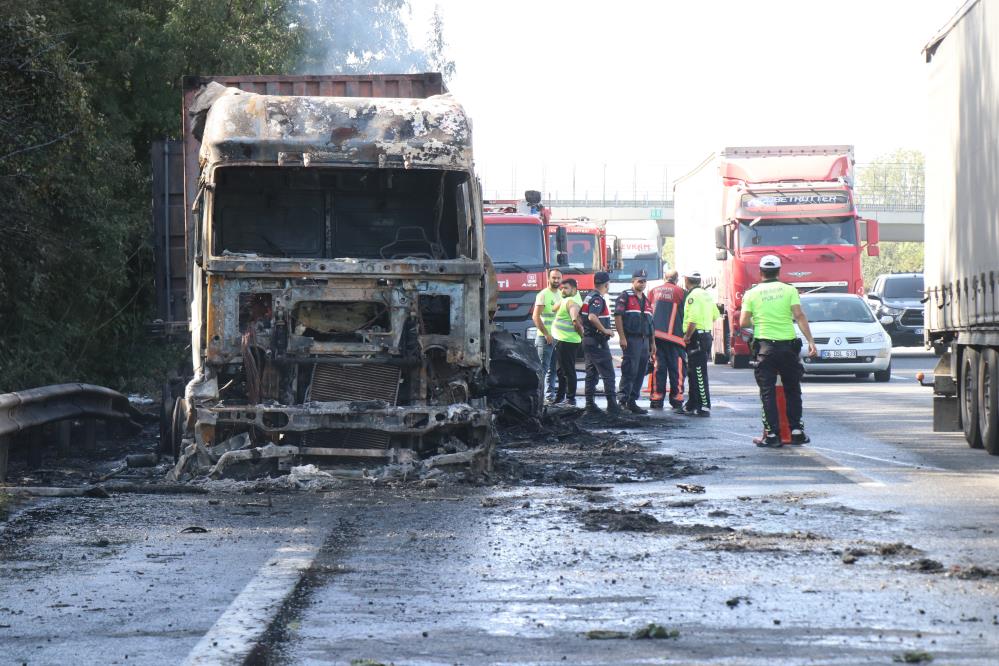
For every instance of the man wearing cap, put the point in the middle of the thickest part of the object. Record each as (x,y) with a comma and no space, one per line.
(595,315)
(771,308)
(545,304)
(568,334)
(633,319)
(670,350)
(699,315)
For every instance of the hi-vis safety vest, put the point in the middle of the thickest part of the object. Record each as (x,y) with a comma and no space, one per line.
(563,329)
(549,301)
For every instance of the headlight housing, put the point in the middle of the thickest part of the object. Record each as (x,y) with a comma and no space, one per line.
(874,337)
(891,311)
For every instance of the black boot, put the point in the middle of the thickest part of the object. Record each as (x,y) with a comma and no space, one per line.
(613,408)
(633,407)
(591,407)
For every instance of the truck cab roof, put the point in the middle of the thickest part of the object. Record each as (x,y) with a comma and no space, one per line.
(249,128)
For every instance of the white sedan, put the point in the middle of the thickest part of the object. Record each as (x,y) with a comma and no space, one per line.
(848,337)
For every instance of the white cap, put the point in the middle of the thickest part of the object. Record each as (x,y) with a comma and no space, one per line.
(693,275)
(770,261)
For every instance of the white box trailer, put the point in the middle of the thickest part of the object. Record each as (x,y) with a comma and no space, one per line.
(641,247)
(962,223)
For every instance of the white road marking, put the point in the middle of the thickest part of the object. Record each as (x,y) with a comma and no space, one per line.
(833,466)
(237,631)
(883,460)
(725,403)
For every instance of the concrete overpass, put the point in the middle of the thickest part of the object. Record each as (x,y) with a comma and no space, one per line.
(897,222)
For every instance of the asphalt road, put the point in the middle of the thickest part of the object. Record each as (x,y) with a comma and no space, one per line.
(860,548)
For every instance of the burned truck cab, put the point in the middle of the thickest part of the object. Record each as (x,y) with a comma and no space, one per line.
(339,305)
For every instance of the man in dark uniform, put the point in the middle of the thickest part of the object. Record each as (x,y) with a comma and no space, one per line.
(670,355)
(595,315)
(633,319)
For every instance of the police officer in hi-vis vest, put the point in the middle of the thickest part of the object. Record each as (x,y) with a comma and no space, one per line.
(633,319)
(595,315)
(771,308)
(699,315)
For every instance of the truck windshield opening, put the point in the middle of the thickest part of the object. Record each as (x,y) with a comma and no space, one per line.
(356,213)
(774,232)
(519,244)
(584,254)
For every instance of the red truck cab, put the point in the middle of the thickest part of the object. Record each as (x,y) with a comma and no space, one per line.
(515,241)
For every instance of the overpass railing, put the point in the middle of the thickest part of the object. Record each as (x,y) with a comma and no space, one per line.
(895,187)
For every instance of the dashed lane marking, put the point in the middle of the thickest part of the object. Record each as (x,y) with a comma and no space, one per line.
(242,625)
(849,473)
(882,460)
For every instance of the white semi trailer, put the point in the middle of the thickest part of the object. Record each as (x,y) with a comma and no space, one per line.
(962,223)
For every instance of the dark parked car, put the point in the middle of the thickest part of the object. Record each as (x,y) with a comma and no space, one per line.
(896,300)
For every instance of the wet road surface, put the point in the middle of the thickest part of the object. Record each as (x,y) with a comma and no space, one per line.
(876,542)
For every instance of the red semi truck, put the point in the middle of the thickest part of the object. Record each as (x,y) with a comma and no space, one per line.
(515,241)
(792,201)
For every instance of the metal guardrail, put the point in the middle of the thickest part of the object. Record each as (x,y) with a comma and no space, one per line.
(25,410)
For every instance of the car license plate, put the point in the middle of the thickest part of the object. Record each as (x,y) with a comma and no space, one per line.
(839,353)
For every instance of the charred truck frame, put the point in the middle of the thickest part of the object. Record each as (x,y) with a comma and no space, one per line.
(338,287)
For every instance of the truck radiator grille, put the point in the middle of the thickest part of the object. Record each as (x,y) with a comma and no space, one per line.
(347,439)
(912,318)
(366,381)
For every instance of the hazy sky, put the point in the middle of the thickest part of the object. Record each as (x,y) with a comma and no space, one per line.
(650,88)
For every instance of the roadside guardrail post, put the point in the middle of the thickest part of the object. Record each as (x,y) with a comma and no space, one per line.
(36,443)
(89,442)
(64,432)
(4,451)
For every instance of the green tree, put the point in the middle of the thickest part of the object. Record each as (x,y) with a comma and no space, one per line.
(895,257)
(436,48)
(894,179)
(353,36)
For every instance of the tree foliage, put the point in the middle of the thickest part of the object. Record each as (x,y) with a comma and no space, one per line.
(893,179)
(87,85)
(351,36)
(896,257)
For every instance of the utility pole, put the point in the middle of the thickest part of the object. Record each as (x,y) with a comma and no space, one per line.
(604,196)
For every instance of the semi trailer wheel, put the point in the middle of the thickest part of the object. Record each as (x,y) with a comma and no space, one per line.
(988,400)
(968,396)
